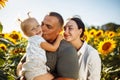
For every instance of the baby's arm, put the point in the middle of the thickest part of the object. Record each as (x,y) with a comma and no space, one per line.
(52,47)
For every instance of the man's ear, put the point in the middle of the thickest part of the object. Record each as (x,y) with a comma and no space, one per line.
(59,29)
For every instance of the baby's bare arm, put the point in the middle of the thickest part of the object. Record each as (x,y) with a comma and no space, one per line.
(52,47)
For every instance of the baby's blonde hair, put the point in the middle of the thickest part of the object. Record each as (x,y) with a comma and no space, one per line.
(26,23)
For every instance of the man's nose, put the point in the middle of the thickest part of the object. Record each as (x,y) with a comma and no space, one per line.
(44,28)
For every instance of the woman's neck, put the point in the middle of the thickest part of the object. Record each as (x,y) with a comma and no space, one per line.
(77,44)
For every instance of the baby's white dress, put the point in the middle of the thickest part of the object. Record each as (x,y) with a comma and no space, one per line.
(35,64)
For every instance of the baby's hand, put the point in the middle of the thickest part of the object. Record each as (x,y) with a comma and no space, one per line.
(60,37)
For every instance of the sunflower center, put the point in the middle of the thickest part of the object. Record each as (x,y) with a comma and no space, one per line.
(92,33)
(106,46)
(111,34)
(3,48)
(15,36)
(1,35)
(98,34)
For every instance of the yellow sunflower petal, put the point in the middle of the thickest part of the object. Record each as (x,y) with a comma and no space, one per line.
(92,32)
(99,33)
(107,46)
(2,3)
(3,47)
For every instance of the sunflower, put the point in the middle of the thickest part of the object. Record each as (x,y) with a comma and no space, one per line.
(7,36)
(96,41)
(99,33)
(86,36)
(118,34)
(106,46)
(106,33)
(61,32)
(15,35)
(17,50)
(111,34)
(1,35)
(3,47)
(2,3)
(92,32)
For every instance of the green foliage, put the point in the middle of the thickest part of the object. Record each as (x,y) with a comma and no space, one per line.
(111,67)
(10,55)
(2,75)
(1,28)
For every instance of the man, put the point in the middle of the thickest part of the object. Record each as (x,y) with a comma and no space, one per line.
(63,63)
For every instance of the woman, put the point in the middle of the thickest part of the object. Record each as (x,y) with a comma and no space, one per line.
(89,60)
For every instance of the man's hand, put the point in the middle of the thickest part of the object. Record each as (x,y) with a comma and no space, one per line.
(22,78)
(46,76)
(19,68)
(64,79)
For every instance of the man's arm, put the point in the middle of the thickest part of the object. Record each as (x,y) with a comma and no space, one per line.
(64,79)
(19,66)
(46,76)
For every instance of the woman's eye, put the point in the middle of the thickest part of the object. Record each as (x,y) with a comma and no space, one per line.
(70,28)
(42,24)
(64,28)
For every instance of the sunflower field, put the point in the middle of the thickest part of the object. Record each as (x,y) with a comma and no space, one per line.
(108,44)
(12,48)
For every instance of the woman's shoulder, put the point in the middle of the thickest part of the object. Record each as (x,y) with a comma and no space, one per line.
(92,52)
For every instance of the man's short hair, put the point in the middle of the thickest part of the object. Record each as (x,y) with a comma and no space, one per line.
(58,16)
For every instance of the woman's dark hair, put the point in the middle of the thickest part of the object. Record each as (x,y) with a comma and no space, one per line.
(80,24)
(58,16)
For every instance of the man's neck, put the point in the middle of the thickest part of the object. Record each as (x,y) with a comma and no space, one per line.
(51,41)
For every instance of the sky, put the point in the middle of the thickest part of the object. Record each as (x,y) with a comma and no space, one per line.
(92,12)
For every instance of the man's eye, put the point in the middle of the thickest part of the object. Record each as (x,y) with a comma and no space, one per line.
(32,29)
(38,25)
(49,26)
